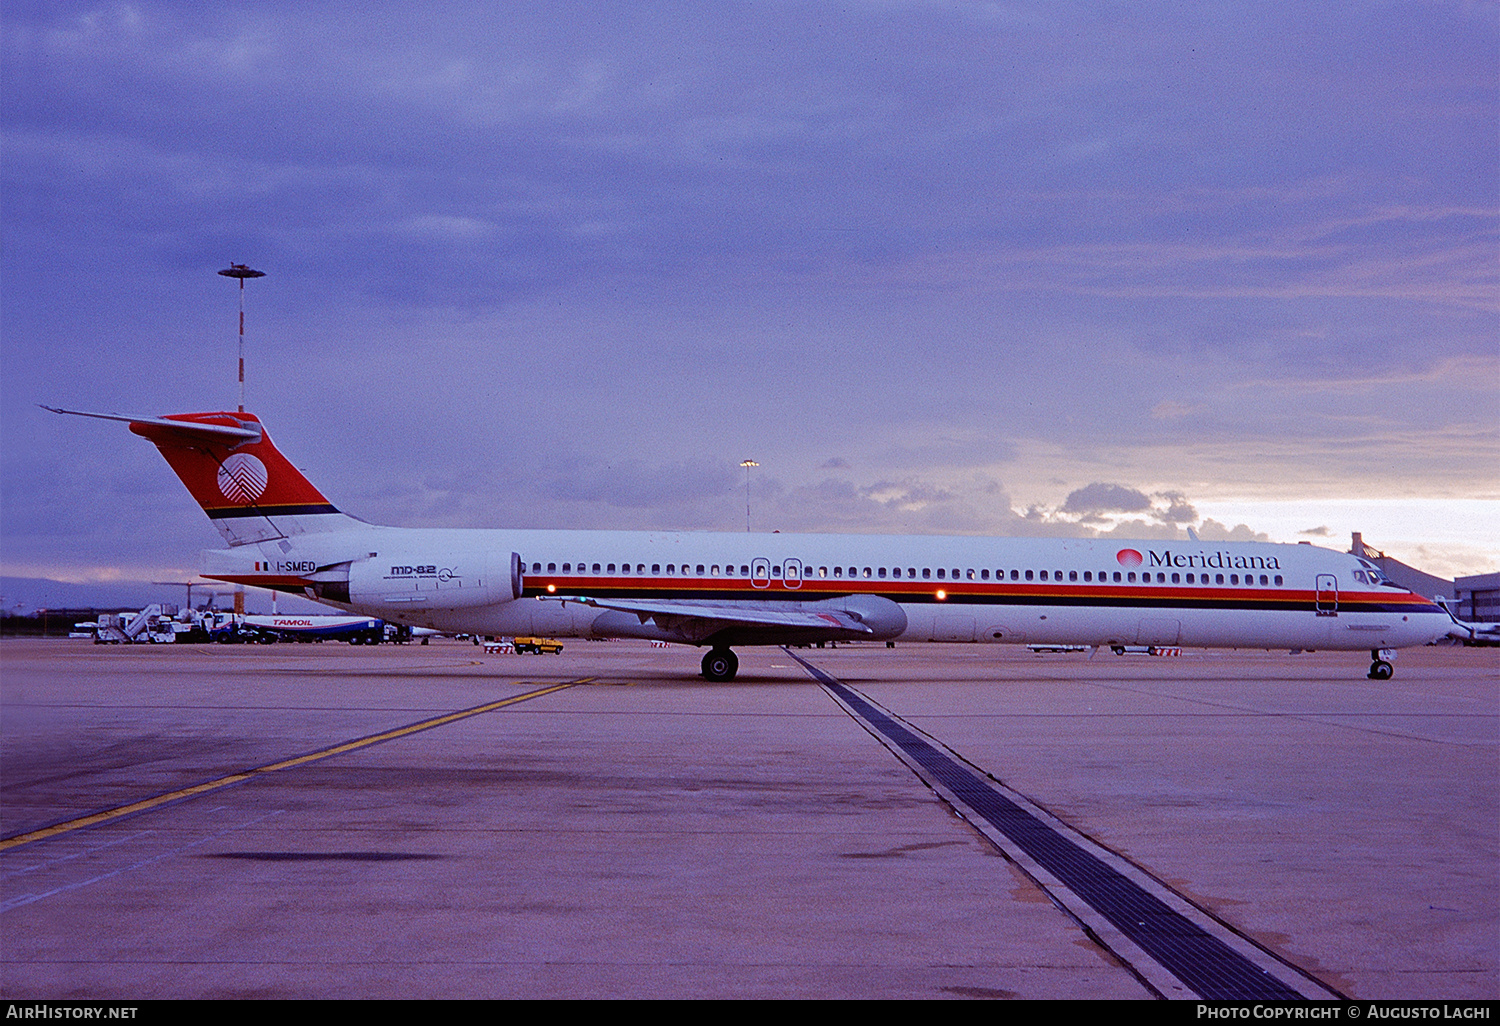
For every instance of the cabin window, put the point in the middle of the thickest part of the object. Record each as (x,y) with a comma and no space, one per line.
(552,568)
(671,569)
(940,573)
(1043,575)
(1072,575)
(610,569)
(1028,575)
(1176,578)
(1218,578)
(655,569)
(714,570)
(536,568)
(984,575)
(1263,580)
(567,568)
(1234,578)
(1130,577)
(1015,575)
(700,569)
(838,571)
(596,568)
(1088,575)
(880,572)
(1278,580)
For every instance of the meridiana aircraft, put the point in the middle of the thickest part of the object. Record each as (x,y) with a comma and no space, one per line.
(720,590)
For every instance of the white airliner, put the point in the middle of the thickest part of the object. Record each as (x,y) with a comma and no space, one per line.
(718,590)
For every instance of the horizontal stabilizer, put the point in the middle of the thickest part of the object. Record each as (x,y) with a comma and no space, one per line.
(188,430)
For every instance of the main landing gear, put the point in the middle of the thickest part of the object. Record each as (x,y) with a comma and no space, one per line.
(1381,668)
(720,664)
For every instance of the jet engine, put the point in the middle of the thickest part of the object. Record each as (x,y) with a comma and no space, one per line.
(425,580)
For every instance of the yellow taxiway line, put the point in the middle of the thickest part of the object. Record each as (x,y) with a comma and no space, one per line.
(95,818)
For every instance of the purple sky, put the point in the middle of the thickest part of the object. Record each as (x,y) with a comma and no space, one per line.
(938,267)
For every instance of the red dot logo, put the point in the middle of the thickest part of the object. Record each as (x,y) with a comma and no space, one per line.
(1128,557)
(242,478)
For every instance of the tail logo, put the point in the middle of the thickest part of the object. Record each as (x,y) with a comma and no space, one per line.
(242,478)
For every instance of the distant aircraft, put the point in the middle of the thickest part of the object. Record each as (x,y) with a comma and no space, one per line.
(721,590)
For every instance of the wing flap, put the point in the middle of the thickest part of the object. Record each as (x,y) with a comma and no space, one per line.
(695,621)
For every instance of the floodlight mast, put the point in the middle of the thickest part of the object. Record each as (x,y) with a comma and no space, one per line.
(747,464)
(242,272)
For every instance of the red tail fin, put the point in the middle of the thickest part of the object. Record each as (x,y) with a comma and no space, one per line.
(250,491)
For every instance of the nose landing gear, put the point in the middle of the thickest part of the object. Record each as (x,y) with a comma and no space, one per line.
(720,664)
(1381,668)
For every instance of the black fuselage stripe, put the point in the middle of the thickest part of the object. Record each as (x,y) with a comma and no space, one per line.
(1200,960)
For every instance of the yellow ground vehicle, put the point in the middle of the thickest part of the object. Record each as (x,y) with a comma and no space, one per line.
(538,645)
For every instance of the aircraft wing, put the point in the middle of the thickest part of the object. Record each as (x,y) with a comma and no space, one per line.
(696,621)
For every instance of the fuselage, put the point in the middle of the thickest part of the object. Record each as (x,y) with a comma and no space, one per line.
(959,589)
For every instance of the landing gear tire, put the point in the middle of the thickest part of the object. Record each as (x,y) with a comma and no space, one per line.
(1381,670)
(720,664)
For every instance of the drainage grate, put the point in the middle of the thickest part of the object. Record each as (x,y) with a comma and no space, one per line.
(1200,960)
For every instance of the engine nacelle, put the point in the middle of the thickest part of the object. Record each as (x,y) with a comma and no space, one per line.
(415,581)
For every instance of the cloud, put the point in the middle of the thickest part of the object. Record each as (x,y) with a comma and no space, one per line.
(1178,510)
(1106,498)
(1212,530)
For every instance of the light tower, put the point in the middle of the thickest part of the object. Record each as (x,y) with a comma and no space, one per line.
(747,464)
(242,272)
